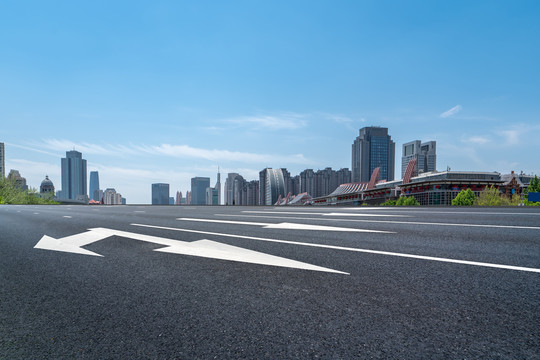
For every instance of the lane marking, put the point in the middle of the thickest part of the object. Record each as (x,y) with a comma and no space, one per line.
(421,257)
(389,222)
(319,213)
(285,225)
(409,210)
(201,248)
(67,216)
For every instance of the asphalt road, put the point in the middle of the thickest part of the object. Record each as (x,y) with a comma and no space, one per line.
(422,283)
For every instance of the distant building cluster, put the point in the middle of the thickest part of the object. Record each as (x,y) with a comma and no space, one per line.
(371,180)
(73,180)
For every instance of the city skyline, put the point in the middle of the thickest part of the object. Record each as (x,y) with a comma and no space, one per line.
(170,92)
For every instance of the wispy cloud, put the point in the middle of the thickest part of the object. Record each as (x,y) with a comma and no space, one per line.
(511,137)
(182,151)
(89,148)
(451,112)
(176,151)
(286,121)
(478,140)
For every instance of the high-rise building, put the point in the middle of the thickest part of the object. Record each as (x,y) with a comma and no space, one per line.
(322,182)
(98,195)
(424,153)
(252,193)
(274,185)
(15,177)
(198,190)
(2,162)
(160,194)
(188,197)
(233,184)
(218,188)
(372,149)
(307,182)
(213,195)
(178,198)
(111,197)
(73,176)
(94,185)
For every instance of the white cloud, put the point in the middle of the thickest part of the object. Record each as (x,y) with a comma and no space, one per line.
(478,140)
(89,148)
(220,155)
(286,121)
(511,137)
(176,151)
(452,111)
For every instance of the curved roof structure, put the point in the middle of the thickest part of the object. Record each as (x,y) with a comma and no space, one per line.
(350,188)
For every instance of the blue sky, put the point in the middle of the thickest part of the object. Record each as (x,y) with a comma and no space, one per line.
(162,91)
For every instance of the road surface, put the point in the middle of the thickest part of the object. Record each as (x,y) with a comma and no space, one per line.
(173,282)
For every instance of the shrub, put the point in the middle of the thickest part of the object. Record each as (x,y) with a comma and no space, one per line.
(464,198)
(492,197)
(407,201)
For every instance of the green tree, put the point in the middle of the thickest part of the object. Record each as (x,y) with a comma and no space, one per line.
(11,194)
(464,198)
(407,201)
(492,197)
(534,186)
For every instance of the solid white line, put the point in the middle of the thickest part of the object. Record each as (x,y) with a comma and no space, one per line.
(429,210)
(421,257)
(318,213)
(224,221)
(285,225)
(67,216)
(392,222)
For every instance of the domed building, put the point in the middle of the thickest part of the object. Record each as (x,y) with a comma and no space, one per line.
(47,187)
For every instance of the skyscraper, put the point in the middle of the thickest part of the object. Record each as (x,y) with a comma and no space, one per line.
(2,162)
(94,186)
(198,190)
(274,185)
(232,186)
(15,177)
(424,153)
(73,176)
(373,148)
(160,194)
(218,188)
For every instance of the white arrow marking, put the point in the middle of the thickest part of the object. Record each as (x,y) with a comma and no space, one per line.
(413,256)
(202,248)
(285,225)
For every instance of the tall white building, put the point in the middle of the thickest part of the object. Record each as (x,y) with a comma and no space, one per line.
(424,153)
(111,197)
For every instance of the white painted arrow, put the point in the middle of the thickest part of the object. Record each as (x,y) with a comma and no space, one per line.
(286,225)
(202,248)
